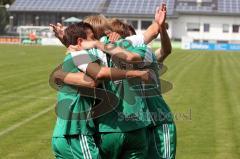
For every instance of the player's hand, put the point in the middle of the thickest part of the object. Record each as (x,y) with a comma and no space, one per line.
(113,37)
(58,30)
(148,76)
(160,15)
(58,73)
(144,75)
(57,77)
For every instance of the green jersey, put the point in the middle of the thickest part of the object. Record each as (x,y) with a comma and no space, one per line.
(72,108)
(156,104)
(132,112)
(160,111)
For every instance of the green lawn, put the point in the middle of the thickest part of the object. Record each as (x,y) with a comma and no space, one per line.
(205,99)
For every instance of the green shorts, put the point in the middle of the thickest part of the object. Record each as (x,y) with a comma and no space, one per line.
(162,141)
(128,145)
(75,147)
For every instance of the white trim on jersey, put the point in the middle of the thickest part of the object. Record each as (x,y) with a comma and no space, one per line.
(87,147)
(136,39)
(82,58)
(84,147)
(167,145)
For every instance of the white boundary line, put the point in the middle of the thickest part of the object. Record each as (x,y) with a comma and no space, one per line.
(15,126)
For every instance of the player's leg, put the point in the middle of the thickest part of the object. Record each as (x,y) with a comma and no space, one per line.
(84,147)
(110,145)
(162,141)
(61,148)
(76,147)
(135,145)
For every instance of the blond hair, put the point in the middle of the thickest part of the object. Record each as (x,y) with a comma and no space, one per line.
(99,23)
(119,27)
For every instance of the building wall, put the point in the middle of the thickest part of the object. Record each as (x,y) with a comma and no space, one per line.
(179,28)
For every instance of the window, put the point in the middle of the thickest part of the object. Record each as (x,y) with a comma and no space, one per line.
(205,41)
(196,41)
(235,28)
(134,23)
(194,27)
(206,27)
(225,28)
(222,42)
(146,24)
(21,19)
(29,19)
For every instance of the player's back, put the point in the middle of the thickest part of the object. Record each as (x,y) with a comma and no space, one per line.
(72,107)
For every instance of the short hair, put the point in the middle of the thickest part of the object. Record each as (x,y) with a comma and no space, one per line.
(120,27)
(75,31)
(99,23)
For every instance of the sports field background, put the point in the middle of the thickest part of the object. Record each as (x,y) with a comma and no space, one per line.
(205,83)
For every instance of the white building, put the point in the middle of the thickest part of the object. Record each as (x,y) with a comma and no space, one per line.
(205,28)
(215,21)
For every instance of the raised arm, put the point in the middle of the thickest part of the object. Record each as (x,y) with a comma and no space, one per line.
(153,30)
(166,47)
(59,33)
(151,33)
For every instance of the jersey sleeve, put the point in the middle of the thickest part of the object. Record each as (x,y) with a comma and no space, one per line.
(136,39)
(149,56)
(104,40)
(141,50)
(100,55)
(81,59)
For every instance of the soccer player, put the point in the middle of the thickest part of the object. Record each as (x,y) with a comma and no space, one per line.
(74,129)
(162,133)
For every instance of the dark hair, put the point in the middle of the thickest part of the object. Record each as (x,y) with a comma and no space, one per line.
(75,31)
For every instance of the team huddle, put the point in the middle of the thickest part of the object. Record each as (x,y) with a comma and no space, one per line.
(109,102)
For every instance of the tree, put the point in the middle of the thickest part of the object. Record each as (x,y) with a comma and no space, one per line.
(4,16)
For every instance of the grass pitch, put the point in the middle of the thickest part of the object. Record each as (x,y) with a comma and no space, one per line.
(205,100)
